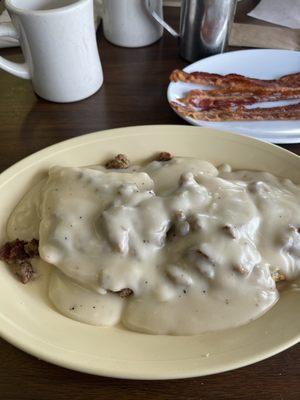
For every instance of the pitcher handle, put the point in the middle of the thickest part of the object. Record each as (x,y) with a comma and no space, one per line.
(19,69)
(158,19)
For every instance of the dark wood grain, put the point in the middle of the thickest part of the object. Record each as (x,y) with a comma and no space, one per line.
(134,93)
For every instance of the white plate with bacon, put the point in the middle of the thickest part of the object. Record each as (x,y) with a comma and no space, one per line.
(251,92)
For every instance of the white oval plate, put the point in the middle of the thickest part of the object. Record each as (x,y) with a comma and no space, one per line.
(262,64)
(28,320)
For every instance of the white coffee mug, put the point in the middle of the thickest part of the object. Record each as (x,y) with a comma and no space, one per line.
(129,23)
(58,41)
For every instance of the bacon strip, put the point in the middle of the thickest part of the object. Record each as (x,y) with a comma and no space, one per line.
(291,112)
(291,79)
(203,78)
(239,82)
(207,99)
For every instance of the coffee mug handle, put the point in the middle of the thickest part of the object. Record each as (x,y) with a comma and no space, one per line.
(19,69)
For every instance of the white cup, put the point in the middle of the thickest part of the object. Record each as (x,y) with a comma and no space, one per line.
(128,23)
(58,41)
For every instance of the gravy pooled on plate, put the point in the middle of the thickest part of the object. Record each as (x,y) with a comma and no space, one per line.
(174,247)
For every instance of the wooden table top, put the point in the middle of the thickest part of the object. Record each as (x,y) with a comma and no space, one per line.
(134,93)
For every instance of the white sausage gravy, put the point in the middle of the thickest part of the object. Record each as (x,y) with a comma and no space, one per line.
(187,247)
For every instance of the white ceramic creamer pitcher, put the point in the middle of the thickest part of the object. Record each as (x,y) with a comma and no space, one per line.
(129,23)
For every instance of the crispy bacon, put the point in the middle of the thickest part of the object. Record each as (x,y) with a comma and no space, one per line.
(239,82)
(203,78)
(207,99)
(291,111)
(291,79)
(235,91)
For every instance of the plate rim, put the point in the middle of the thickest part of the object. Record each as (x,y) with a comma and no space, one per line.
(138,375)
(18,340)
